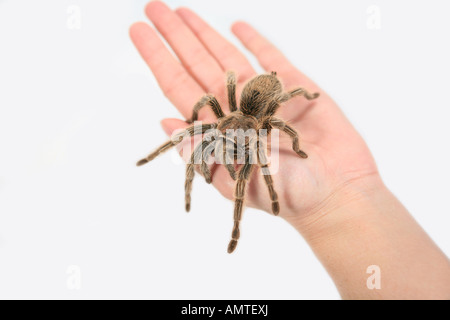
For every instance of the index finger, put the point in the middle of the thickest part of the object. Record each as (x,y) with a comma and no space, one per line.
(178,86)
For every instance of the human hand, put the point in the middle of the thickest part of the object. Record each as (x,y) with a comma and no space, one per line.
(335,198)
(338,157)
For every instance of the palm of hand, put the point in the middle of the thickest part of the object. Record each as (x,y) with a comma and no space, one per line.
(337,154)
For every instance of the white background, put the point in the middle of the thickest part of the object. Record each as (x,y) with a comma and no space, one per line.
(79,107)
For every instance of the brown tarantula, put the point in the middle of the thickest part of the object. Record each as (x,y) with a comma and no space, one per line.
(260,99)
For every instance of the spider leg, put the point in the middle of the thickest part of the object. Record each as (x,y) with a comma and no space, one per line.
(229,161)
(231,88)
(209,100)
(227,154)
(176,139)
(275,104)
(213,147)
(239,194)
(298,92)
(283,126)
(206,154)
(195,159)
(264,165)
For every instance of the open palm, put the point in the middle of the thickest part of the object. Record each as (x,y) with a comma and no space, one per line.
(337,154)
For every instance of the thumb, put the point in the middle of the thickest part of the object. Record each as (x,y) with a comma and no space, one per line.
(169,125)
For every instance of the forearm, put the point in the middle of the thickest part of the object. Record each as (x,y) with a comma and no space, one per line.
(365,225)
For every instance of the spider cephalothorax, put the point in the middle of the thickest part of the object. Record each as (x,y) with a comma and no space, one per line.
(260,99)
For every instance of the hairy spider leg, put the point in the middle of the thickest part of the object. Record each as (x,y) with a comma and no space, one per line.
(227,155)
(239,195)
(231,89)
(176,139)
(283,126)
(264,165)
(209,100)
(275,104)
(195,159)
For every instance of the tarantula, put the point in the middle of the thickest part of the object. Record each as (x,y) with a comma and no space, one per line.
(260,99)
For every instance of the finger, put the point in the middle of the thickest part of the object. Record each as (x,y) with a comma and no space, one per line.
(169,125)
(193,55)
(225,53)
(175,82)
(270,58)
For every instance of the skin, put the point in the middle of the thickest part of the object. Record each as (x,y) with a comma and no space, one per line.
(335,198)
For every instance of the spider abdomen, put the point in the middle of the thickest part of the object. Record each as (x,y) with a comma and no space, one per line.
(258,93)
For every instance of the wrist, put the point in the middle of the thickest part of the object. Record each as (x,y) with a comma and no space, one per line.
(364,225)
(339,212)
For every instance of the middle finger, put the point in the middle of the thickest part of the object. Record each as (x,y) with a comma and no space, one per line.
(225,53)
(192,54)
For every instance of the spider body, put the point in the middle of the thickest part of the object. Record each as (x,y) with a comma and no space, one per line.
(260,99)
(259,93)
(237,120)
